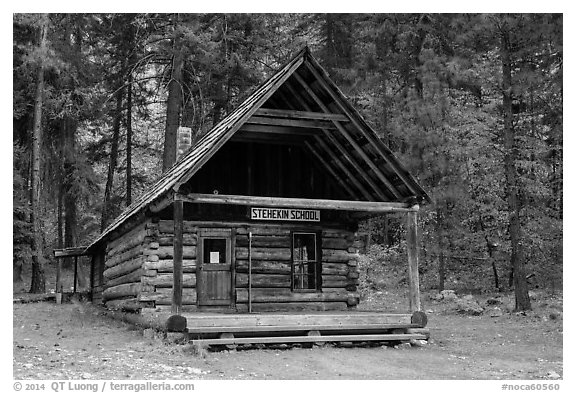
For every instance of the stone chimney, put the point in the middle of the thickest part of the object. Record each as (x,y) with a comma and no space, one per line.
(183,141)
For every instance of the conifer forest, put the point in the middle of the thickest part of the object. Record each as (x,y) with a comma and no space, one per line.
(471,104)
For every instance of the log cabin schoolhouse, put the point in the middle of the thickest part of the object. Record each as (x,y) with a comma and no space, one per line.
(260,215)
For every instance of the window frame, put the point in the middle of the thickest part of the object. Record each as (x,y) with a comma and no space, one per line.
(318,261)
(227,257)
(202,251)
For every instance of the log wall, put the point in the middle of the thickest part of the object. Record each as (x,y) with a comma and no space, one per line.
(271,271)
(139,268)
(97,278)
(122,275)
(158,265)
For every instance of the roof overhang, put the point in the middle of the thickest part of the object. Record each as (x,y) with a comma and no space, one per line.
(299,203)
(71,252)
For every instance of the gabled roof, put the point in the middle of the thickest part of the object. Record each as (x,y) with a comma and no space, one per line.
(350,150)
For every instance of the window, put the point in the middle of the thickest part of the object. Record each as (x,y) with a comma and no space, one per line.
(305,262)
(214,251)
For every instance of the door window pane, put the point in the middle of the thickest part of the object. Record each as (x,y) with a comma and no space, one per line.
(214,251)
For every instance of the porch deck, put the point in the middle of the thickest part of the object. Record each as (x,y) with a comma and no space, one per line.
(213,328)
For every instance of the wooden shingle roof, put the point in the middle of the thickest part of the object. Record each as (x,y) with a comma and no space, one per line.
(351,151)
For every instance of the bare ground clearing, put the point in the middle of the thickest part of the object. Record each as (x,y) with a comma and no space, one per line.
(74,341)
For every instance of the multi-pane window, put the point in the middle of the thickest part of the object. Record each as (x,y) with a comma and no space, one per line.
(305,262)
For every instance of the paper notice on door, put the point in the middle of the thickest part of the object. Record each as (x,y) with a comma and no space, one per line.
(214,257)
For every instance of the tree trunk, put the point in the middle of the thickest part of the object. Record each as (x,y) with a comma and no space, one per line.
(17,273)
(217,112)
(420,38)
(129,142)
(441,257)
(70,128)
(490,247)
(386,239)
(70,196)
(173,106)
(60,214)
(60,229)
(368,235)
(512,186)
(61,192)
(70,224)
(38,284)
(441,269)
(113,161)
(494,267)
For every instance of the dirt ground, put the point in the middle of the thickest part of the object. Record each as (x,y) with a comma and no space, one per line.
(75,341)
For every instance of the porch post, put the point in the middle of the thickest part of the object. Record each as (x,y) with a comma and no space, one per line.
(59,276)
(412,245)
(75,271)
(178,234)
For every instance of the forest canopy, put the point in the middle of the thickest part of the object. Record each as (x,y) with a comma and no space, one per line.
(470,103)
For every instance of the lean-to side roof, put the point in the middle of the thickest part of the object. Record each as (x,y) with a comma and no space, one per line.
(350,150)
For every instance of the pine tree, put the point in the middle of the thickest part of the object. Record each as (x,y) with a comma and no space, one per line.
(38,284)
(512,178)
(174,102)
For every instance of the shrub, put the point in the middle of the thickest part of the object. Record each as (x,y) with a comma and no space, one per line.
(382,267)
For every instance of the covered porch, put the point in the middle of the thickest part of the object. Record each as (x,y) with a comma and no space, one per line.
(359,208)
(211,328)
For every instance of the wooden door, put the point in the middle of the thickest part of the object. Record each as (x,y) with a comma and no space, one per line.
(215,267)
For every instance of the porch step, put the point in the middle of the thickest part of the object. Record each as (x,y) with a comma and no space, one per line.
(306,339)
(199,320)
(289,328)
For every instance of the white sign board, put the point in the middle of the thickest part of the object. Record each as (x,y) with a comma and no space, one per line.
(214,257)
(273,214)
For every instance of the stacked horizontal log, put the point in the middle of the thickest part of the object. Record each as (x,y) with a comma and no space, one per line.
(139,269)
(340,265)
(271,264)
(97,277)
(271,272)
(123,269)
(158,266)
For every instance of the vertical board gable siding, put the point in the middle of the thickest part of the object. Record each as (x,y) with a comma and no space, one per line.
(228,170)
